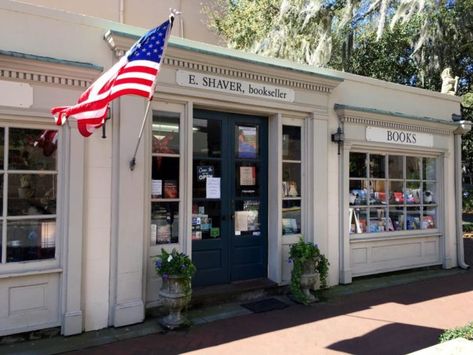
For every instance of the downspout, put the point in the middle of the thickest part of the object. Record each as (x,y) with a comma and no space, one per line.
(463,128)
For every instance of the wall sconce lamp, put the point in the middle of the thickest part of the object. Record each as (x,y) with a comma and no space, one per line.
(338,138)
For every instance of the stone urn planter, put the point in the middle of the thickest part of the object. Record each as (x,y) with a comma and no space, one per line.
(176,270)
(309,278)
(309,267)
(175,294)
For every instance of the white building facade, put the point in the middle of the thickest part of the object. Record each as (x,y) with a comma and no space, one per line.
(237,163)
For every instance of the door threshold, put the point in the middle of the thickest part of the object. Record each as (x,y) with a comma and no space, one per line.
(235,291)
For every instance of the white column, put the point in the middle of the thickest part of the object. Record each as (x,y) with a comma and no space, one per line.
(128,211)
(73,185)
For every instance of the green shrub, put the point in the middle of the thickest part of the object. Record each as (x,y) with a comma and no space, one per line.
(460,332)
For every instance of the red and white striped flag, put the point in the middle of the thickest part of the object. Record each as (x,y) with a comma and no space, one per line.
(134,74)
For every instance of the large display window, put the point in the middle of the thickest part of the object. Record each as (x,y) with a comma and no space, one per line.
(28,185)
(391,193)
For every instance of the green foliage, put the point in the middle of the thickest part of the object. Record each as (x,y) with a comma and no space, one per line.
(468,228)
(174,264)
(461,332)
(300,253)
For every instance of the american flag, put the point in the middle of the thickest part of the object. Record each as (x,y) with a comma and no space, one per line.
(134,74)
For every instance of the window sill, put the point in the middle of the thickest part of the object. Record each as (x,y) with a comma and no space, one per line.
(393,236)
(30,273)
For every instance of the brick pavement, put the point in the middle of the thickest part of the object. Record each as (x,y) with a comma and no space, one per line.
(394,320)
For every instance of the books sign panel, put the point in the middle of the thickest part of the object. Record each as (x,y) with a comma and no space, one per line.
(233,86)
(396,136)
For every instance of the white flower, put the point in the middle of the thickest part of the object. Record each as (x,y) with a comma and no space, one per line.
(169,258)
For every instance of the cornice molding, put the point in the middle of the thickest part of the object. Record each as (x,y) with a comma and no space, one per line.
(394,122)
(120,43)
(53,72)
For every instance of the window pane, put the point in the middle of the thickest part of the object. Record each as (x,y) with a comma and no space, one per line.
(247,142)
(291,143)
(396,167)
(358,192)
(413,218)
(377,166)
(377,220)
(31,240)
(378,192)
(357,165)
(291,217)
(429,218)
(2,148)
(396,194)
(358,220)
(164,222)
(165,132)
(396,218)
(206,220)
(430,193)
(32,149)
(206,138)
(429,169)
(291,176)
(413,192)
(413,166)
(31,194)
(165,174)
(247,218)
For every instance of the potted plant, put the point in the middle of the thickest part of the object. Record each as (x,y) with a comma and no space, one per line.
(308,265)
(176,270)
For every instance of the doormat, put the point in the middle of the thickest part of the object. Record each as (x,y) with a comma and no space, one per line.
(266,305)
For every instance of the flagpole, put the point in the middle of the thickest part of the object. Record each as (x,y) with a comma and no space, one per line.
(133,160)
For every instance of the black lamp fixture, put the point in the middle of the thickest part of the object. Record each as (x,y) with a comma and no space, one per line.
(338,138)
(456,117)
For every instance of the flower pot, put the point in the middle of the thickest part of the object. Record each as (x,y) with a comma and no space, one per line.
(309,278)
(175,294)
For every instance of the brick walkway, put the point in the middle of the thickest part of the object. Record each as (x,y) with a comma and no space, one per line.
(394,320)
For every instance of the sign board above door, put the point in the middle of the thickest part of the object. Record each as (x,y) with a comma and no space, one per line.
(233,86)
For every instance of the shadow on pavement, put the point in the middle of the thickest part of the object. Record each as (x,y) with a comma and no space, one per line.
(397,339)
(392,339)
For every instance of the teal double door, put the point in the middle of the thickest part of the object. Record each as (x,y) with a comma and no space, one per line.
(230,194)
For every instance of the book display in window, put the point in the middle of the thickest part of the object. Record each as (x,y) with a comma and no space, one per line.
(395,192)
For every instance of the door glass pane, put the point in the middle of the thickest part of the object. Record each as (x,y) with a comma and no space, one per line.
(246,139)
(358,165)
(246,175)
(396,167)
(377,166)
(206,221)
(207,138)
(31,240)
(32,149)
(291,176)
(165,132)
(202,169)
(31,194)
(247,218)
(291,143)
(291,217)
(164,222)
